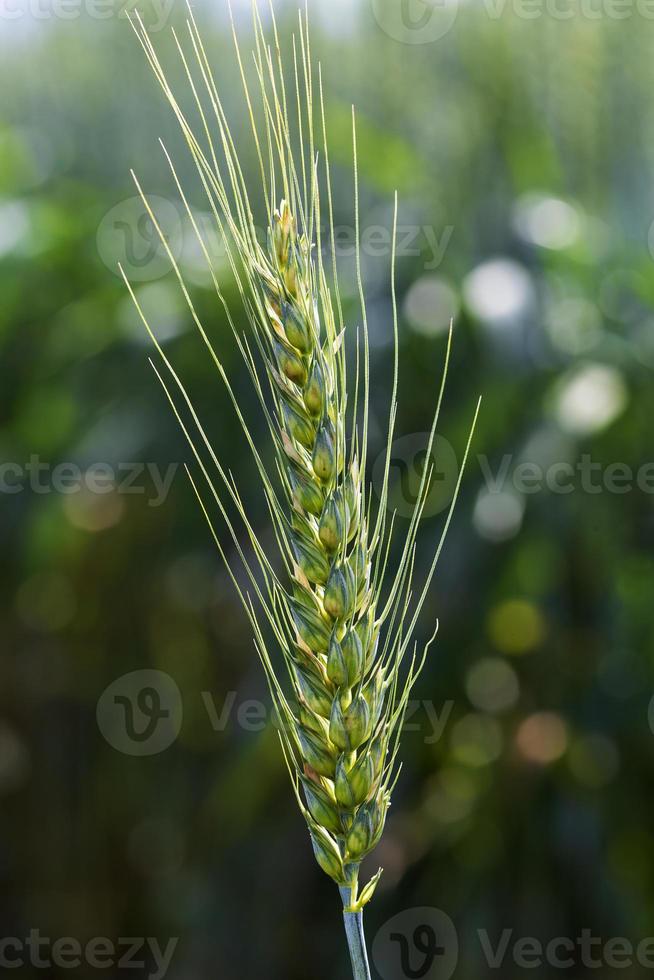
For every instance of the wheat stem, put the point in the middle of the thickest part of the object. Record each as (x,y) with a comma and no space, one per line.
(356,941)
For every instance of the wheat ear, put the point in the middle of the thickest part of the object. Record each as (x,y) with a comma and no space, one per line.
(339,623)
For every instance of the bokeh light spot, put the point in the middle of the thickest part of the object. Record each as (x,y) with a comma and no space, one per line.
(498,516)
(492,685)
(93,512)
(590,399)
(516,626)
(430,304)
(546,221)
(542,738)
(498,291)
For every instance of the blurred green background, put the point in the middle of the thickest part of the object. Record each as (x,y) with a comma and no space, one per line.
(522,150)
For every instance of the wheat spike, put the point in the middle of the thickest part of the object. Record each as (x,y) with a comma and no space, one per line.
(334,626)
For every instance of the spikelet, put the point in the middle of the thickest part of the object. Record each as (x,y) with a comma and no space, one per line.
(340,620)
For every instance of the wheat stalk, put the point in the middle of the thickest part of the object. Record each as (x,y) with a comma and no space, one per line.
(341,622)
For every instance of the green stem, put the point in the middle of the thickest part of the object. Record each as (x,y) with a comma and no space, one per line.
(356,940)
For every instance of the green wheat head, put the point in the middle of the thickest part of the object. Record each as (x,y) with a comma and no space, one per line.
(332,623)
